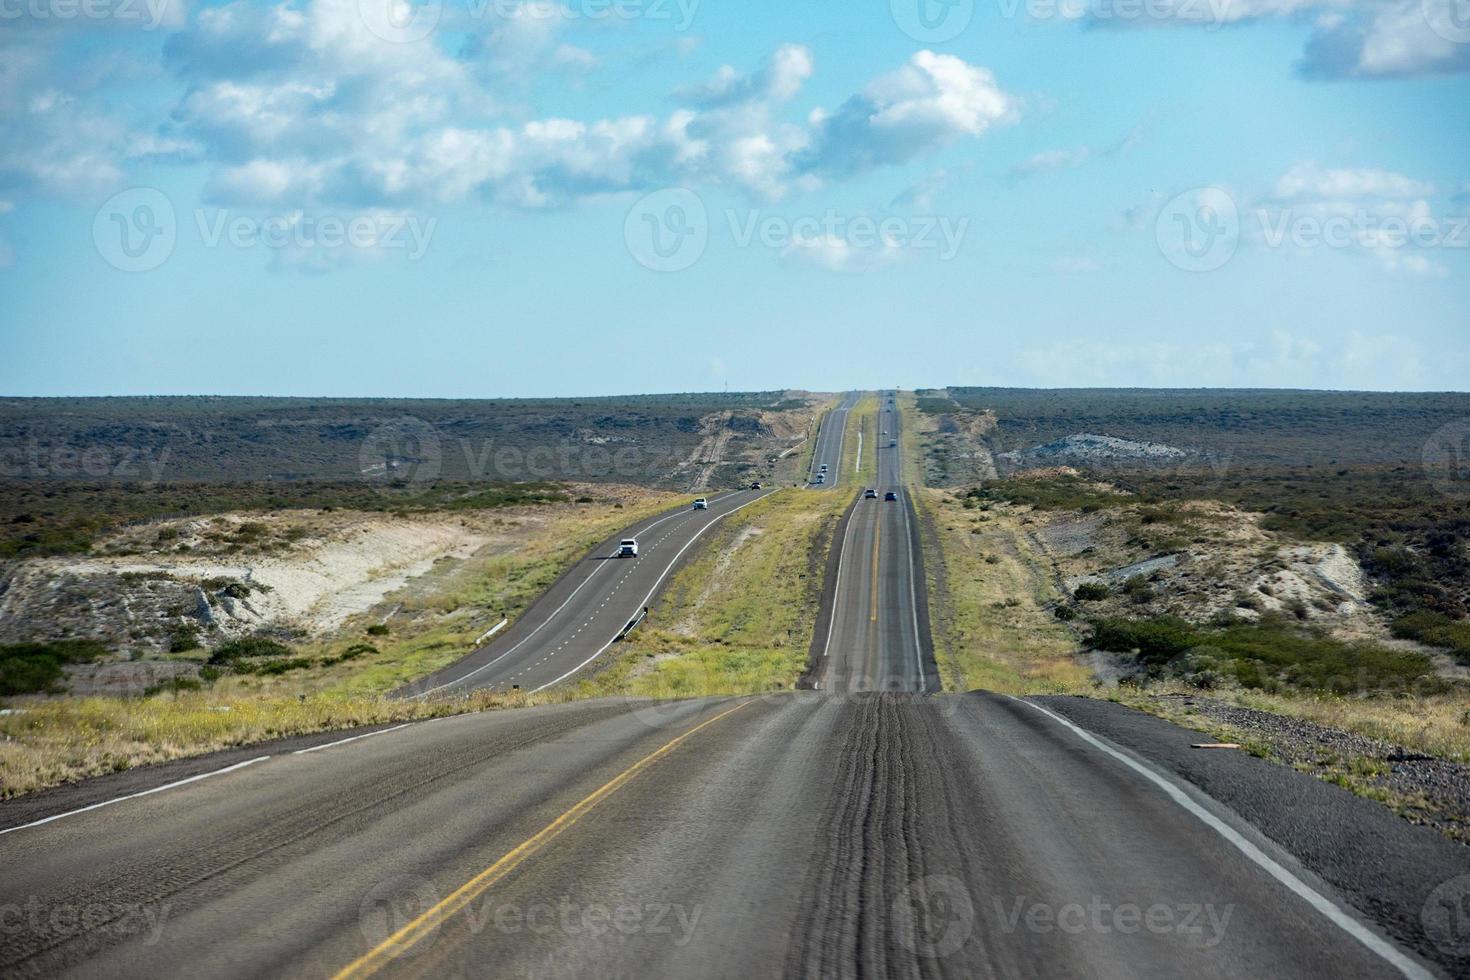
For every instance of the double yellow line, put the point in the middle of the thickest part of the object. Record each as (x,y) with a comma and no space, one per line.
(423,926)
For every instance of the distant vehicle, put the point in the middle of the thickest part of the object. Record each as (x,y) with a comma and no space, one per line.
(892,443)
(870,494)
(824,467)
(756,485)
(701,504)
(890,495)
(821,478)
(628,548)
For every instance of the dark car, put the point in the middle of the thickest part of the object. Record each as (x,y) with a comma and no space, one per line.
(890,495)
(756,485)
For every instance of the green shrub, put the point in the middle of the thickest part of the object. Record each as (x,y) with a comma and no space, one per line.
(1435,629)
(378,629)
(182,637)
(1156,640)
(1065,613)
(1091,592)
(36,668)
(248,647)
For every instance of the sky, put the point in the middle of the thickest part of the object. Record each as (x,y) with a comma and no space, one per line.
(496,198)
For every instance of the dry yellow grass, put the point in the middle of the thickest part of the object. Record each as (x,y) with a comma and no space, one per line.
(59,740)
(739,618)
(992,628)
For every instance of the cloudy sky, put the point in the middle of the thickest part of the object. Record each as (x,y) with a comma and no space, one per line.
(495,197)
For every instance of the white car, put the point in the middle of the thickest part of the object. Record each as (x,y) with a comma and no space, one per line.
(628,548)
(701,504)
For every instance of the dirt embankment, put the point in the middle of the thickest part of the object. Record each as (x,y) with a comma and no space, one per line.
(222,576)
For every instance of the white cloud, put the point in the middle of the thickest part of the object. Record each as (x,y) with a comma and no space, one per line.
(1348,38)
(778,81)
(1051,161)
(929,103)
(1307,181)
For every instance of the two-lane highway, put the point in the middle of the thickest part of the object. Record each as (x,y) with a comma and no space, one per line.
(831,439)
(876,635)
(801,835)
(578,619)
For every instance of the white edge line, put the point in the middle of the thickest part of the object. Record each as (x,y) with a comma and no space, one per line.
(549,619)
(649,598)
(492,631)
(837,583)
(353,738)
(134,796)
(1329,909)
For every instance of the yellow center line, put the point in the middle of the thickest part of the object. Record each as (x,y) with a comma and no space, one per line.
(877,536)
(379,957)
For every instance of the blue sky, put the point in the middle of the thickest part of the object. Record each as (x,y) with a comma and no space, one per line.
(498,198)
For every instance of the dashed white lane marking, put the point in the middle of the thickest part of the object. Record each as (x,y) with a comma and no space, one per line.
(1381,947)
(659,581)
(134,796)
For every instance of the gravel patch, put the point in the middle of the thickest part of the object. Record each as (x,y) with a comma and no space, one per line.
(1425,789)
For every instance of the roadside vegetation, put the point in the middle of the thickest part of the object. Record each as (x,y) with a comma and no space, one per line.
(739,618)
(272,685)
(990,604)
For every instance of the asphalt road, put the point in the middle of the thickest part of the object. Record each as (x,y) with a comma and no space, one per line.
(877,636)
(830,439)
(829,833)
(801,834)
(577,619)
